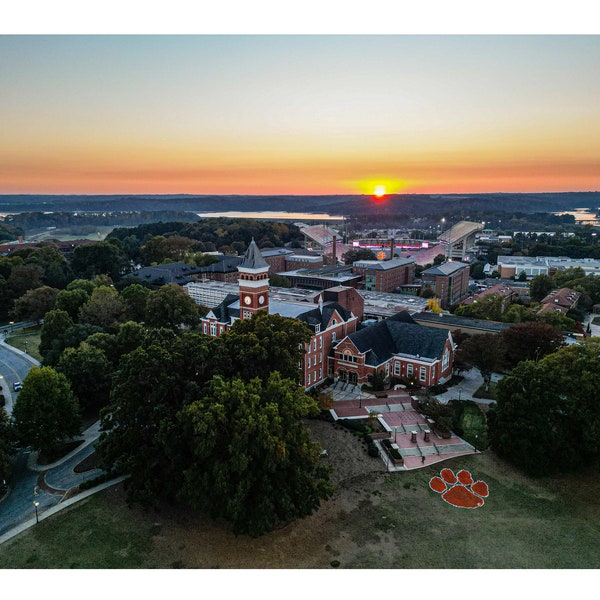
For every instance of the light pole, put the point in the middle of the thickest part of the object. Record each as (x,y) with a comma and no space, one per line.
(459,393)
(36,504)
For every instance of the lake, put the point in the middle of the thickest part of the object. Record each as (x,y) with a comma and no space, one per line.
(274,215)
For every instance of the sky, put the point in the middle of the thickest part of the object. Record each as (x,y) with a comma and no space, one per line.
(299,114)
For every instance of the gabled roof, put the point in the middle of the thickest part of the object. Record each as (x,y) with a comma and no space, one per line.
(253,259)
(399,334)
(446,268)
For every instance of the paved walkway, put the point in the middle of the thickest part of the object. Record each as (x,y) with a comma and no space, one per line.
(472,380)
(410,431)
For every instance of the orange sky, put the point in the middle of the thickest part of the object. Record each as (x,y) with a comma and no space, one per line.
(299,114)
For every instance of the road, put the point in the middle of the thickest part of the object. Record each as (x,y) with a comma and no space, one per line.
(13,367)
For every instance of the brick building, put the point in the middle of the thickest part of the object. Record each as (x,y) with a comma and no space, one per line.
(385,275)
(328,321)
(449,281)
(399,347)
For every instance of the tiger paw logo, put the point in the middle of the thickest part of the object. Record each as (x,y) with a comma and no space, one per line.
(459,490)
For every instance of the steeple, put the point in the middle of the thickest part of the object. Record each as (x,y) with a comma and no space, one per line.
(253,259)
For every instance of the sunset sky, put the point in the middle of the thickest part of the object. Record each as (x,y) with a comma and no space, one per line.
(307,114)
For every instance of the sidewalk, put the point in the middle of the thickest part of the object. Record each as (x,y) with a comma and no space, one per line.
(471,382)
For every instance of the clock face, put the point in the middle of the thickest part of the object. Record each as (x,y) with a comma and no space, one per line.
(247,299)
(261,299)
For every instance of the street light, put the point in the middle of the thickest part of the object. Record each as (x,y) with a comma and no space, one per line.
(36,504)
(459,393)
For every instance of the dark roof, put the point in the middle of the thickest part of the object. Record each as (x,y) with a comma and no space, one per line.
(253,258)
(314,316)
(446,268)
(225,264)
(462,322)
(168,273)
(399,334)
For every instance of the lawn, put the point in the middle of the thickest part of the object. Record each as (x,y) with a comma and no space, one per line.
(27,340)
(374,520)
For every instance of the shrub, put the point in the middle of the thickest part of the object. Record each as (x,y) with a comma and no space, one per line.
(373,450)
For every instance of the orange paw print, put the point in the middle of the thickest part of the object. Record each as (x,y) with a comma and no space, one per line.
(459,490)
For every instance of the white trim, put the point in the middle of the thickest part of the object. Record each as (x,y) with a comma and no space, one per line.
(253,284)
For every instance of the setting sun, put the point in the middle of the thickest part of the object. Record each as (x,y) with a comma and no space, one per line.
(379,190)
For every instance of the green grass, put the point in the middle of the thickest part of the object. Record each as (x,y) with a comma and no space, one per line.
(548,523)
(596,321)
(490,394)
(30,335)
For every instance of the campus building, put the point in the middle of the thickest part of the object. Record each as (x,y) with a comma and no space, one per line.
(398,347)
(449,281)
(328,320)
(385,275)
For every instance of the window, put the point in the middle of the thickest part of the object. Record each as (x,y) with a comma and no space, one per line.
(315,344)
(320,373)
(309,362)
(317,328)
(445,359)
(333,337)
(308,379)
(422,373)
(397,368)
(205,328)
(320,357)
(409,370)
(387,369)
(321,342)
(213,329)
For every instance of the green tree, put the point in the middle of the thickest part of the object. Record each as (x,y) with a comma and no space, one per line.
(105,308)
(56,322)
(34,304)
(140,435)
(7,440)
(86,285)
(46,411)
(171,307)
(363,254)
(489,307)
(89,373)
(255,347)
(72,300)
(135,297)
(71,338)
(558,320)
(540,286)
(439,259)
(55,269)
(547,418)
(103,258)
(252,460)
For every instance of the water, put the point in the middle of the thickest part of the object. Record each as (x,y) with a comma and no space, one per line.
(582,215)
(274,215)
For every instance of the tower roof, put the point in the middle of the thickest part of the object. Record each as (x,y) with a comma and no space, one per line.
(253,259)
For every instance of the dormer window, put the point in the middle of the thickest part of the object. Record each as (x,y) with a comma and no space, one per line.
(317,328)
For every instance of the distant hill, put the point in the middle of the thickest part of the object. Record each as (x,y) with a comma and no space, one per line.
(348,205)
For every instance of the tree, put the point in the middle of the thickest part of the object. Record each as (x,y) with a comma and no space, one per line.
(89,373)
(439,259)
(547,418)
(427,292)
(252,460)
(71,338)
(171,307)
(140,435)
(540,286)
(255,347)
(489,307)
(56,322)
(6,446)
(105,308)
(530,341)
(55,269)
(86,285)
(103,258)
(362,254)
(135,297)
(483,352)
(34,304)
(558,320)
(22,279)
(46,411)
(71,301)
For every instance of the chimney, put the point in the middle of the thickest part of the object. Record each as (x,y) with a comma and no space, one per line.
(20,238)
(392,249)
(334,249)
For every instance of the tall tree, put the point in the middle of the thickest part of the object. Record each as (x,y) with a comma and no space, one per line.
(46,411)
(547,417)
(7,439)
(56,322)
(72,300)
(530,341)
(105,308)
(103,258)
(135,297)
(171,307)
(540,286)
(34,304)
(484,352)
(255,347)
(252,460)
(89,373)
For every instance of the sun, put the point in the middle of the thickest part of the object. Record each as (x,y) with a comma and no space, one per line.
(379,191)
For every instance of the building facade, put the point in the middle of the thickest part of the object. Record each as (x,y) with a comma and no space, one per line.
(385,275)
(449,281)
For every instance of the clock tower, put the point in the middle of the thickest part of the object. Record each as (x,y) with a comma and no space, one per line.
(253,282)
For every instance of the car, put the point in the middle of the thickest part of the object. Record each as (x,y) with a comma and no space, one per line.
(17,386)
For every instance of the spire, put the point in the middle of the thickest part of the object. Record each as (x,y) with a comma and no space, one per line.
(321,303)
(253,259)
